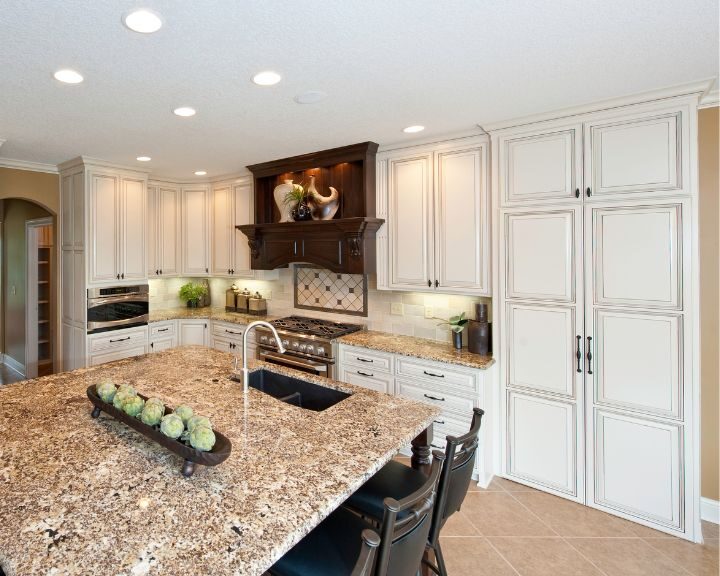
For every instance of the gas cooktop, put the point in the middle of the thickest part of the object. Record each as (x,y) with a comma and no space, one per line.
(314,327)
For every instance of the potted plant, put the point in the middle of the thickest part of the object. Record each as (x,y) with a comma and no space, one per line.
(457,325)
(298,197)
(191,293)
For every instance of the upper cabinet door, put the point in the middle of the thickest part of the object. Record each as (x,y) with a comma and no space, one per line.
(638,154)
(542,252)
(462,253)
(104,251)
(244,214)
(168,231)
(195,231)
(540,166)
(132,216)
(222,230)
(152,251)
(636,255)
(410,222)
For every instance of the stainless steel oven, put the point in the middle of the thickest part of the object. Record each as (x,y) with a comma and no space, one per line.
(117,307)
(311,366)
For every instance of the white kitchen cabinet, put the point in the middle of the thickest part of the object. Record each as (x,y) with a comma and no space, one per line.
(163,335)
(194,332)
(232,205)
(164,240)
(436,202)
(195,230)
(117,206)
(367,378)
(116,345)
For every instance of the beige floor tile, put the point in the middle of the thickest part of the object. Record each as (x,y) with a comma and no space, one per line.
(494,486)
(645,532)
(499,514)
(543,557)
(626,557)
(711,533)
(698,559)
(511,486)
(571,519)
(473,557)
(459,525)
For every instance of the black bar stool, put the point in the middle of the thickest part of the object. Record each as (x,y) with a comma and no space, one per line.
(395,480)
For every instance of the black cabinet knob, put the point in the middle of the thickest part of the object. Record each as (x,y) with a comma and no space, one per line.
(588,192)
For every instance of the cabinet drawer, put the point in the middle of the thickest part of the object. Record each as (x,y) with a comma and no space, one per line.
(367,378)
(118,339)
(112,355)
(372,360)
(436,373)
(163,329)
(226,345)
(415,391)
(231,331)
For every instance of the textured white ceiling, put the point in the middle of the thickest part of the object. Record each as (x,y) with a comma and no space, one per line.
(385,64)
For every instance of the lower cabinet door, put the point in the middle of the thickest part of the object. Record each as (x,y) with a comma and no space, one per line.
(96,359)
(193,332)
(366,378)
(226,345)
(648,487)
(160,344)
(542,443)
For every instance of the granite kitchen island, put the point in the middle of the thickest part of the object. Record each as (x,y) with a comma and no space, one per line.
(85,496)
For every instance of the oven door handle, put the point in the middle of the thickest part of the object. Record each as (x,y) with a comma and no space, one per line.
(135,297)
(292,361)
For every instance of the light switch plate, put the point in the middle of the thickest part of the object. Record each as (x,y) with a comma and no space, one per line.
(396,308)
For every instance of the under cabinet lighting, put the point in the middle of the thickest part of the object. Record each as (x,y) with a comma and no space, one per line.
(184,111)
(68,76)
(413,129)
(143,20)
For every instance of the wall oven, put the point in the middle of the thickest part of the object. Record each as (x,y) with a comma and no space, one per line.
(117,307)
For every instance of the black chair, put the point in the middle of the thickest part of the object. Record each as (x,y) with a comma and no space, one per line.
(331,549)
(395,480)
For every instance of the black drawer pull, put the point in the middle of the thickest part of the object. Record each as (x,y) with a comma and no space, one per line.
(163,329)
(232,332)
(588,192)
(434,375)
(364,359)
(434,398)
(577,192)
(121,339)
(589,354)
(578,353)
(365,374)
(439,421)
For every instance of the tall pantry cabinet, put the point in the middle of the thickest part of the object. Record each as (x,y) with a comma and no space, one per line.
(595,238)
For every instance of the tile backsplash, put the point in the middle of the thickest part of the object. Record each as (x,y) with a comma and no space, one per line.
(387,311)
(326,291)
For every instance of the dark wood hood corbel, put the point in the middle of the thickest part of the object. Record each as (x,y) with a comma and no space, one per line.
(344,244)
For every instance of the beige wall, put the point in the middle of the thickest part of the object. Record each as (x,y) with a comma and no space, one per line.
(39,187)
(709,125)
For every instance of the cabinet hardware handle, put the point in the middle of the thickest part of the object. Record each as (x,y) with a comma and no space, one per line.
(578,353)
(364,374)
(121,339)
(588,192)
(437,283)
(122,275)
(364,359)
(429,283)
(434,375)
(157,272)
(118,276)
(436,446)
(434,397)
(589,354)
(233,332)
(206,270)
(152,344)
(577,192)
(439,421)
(232,271)
(160,272)
(163,329)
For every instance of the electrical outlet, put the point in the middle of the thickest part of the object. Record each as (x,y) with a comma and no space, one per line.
(396,308)
(428,312)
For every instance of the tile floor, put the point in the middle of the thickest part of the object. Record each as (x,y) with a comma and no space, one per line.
(513,530)
(8,375)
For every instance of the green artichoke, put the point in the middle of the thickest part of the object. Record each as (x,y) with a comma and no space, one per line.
(133,406)
(202,438)
(129,389)
(198,420)
(155,401)
(106,390)
(152,413)
(121,395)
(185,412)
(172,426)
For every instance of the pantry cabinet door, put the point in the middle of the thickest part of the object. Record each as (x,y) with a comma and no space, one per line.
(132,247)
(462,254)
(540,165)
(634,154)
(104,234)
(410,222)
(195,231)
(169,231)
(222,230)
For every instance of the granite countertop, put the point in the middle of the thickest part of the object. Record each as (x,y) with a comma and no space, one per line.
(417,348)
(207,313)
(84,496)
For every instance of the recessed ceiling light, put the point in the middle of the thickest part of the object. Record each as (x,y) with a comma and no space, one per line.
(184,111)
(68,76)
(267,78)
(143,20)
(413,129)
(200,173)
(143,158)
(310,97)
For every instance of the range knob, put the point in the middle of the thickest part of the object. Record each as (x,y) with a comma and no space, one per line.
(295,345)
(263,338)
(303,347)
(286,343)
(310,349)
(320,351)
(272,341)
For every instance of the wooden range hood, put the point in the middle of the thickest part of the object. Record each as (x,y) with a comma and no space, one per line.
(345,244)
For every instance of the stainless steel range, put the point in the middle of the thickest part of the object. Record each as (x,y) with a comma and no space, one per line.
(310,343)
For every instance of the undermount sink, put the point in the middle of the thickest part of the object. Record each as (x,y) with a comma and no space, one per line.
(295,391)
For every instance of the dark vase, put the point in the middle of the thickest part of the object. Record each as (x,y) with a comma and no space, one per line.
(192,303)
(457,340)
(301,212)
(479,332)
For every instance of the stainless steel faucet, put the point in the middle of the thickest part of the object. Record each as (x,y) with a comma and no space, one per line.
(250,326)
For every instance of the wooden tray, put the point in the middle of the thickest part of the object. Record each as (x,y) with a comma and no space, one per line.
(218,454)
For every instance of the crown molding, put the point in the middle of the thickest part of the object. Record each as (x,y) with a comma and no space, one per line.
(27,165)
(233,178)
(437,139)
(696,89)
(710,99)
(98,162)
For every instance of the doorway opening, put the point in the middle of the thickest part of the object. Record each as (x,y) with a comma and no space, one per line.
(39,305)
